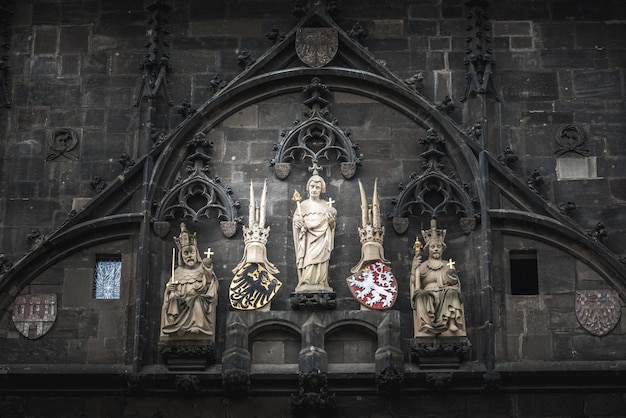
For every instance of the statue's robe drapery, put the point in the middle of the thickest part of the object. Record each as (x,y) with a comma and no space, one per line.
(313,244)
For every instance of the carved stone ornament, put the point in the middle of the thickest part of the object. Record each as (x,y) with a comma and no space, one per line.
(62,143)
(161,228)
(316,47)
(34,315)
(389,381)
(313,394)
(400,225)
(197,196)
(228,228)
(433,192)
(191,355)
(438,353)
(316,138)
(313,300)
(282,170)
(598,311)
(348,170)
(570,138)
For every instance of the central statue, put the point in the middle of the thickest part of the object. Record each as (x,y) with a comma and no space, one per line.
(436,289)
(313,235)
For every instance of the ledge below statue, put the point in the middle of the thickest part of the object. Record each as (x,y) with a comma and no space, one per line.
(312,299)
(439,352)
(187,355)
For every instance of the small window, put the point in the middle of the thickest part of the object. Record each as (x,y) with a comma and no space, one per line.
(106,284)
(524,274)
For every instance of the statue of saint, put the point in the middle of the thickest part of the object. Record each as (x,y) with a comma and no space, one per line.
(190,300)
(313,236)
(435,289)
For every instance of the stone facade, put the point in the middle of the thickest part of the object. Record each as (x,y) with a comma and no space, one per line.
(107,103)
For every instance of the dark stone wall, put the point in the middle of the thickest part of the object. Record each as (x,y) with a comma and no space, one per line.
(75,66)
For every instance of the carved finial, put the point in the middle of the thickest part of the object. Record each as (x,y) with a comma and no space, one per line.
(314,169)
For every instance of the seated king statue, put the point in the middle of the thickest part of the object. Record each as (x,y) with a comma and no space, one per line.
(190,300)
(436,289)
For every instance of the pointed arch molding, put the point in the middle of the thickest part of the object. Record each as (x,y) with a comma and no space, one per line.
(575,243)
(63,243)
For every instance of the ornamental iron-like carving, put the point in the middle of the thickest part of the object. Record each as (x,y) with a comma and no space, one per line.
(598,311)
(432,192)
(62,144)
(316,47)
(34,315)
(198,196)
(156,62)
(570,138)
(479,57)
(316,138)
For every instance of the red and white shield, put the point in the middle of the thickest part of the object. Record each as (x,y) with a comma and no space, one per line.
(375,287)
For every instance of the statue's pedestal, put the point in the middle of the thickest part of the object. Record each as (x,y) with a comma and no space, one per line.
(439,352)
(320,300)
(187,355)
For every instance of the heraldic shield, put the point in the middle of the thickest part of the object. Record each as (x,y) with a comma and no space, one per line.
(316,47)
(34,315)
(598,311)
(253,287)
(375,287)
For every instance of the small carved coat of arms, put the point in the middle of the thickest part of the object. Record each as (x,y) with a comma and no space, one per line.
(253,287)
(598,311)
(34,315)
(316,47)
(375,287)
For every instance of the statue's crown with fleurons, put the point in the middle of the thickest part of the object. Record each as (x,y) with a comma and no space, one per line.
(434,235)
(185,238)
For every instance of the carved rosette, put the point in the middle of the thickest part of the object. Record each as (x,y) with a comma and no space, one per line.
(598,311)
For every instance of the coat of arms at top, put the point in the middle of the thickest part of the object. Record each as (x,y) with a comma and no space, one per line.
(316,47)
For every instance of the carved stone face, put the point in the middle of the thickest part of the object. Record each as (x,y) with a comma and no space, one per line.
(435,250)
(315,188)
(189,255)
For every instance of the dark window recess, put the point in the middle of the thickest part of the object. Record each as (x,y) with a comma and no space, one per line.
(524,273)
